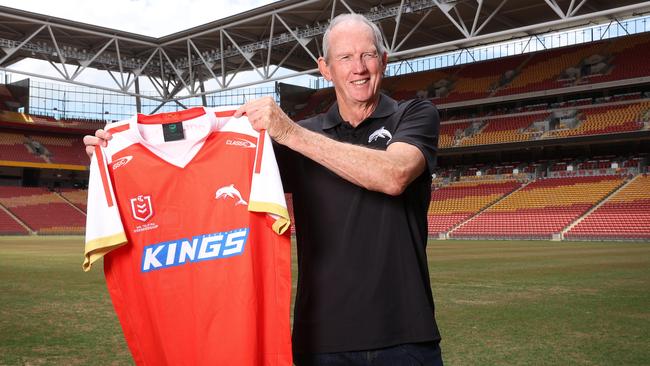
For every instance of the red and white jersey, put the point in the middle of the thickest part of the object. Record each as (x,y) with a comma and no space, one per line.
(188,211)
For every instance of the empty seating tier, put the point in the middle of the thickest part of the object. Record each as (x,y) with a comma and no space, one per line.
(43,211)
(407,86)
(543,70)
(448,133)
(13,147)
(451,205)
(41,148)
(541,209)
(503,130)
(63,149)
(607,119)
(9,226)
(78,197)
(626,215)
(597,120)
(478,80)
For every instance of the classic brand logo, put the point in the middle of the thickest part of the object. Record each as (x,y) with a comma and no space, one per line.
(241,143)
(122,162)
(380,133)
(141,208)
(232,192)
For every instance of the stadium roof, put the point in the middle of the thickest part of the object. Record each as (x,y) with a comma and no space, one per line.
(283,34)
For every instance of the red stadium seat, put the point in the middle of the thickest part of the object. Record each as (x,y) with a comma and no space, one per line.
(43,211)
(541,209)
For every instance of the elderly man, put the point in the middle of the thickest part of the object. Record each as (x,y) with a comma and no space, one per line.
(360,175)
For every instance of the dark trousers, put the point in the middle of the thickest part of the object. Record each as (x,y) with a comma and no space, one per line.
(411,354)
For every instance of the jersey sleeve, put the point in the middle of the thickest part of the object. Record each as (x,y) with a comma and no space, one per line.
(104,229)
(266,193)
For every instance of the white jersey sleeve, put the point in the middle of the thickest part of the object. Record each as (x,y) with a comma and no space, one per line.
(104,229)
(267,194)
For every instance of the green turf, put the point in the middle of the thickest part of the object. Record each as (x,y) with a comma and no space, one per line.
(498,303)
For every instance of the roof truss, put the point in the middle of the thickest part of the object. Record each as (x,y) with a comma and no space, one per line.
(285,34)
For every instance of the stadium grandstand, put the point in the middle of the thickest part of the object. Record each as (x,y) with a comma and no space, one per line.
(545,105)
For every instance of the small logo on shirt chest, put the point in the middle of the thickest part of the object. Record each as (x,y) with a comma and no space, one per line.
(241,143)
(381,133)
(121,162)
(230,192)
(141,208)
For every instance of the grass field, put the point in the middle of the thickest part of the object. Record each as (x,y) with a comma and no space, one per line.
(497,303)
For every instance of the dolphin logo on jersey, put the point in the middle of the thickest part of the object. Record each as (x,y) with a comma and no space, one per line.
(380,133)
(141,208)
(232,192)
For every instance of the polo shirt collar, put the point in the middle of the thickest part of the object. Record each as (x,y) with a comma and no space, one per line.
(385,108)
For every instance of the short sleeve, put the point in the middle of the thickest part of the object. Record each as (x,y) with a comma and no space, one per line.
(420,126)
(104,229)
(266,193)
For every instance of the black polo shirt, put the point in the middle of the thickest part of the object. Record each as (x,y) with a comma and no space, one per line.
(363,281)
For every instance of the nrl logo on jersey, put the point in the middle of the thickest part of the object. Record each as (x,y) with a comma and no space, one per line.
(380,133)
(122,162)
(141,208)
(230,192)
(241,143)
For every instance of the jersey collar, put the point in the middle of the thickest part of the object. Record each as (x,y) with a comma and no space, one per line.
(190,148)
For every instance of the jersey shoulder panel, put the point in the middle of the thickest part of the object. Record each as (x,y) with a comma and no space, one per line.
(117,127)
(123,137)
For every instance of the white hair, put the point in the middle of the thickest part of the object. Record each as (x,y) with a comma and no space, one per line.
(378,39)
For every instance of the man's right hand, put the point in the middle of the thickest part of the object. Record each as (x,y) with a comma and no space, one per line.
(101,138)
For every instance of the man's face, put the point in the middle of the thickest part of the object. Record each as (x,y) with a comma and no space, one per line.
(353,64)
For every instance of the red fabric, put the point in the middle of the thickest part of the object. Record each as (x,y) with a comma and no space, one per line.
(230,310)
